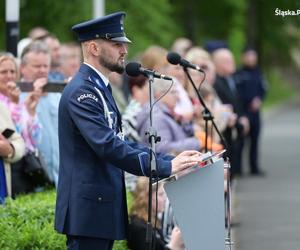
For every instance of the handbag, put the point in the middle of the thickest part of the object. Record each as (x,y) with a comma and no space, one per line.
(34,168)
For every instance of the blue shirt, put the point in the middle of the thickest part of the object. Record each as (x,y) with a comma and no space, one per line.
(47,111)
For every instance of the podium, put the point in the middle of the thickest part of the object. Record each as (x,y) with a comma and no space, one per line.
(197,199)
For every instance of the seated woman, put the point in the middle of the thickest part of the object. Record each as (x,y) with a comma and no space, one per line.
(138,220)
(174,137)
(12,148)
(23,114)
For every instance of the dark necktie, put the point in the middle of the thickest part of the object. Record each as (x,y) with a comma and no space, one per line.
(109,88)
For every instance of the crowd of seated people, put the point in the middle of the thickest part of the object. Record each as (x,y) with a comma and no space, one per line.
(178,116)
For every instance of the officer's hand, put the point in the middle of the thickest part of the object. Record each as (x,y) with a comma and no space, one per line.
(176,241)
(185,159)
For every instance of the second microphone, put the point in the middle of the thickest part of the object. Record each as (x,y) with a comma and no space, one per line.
(135,69)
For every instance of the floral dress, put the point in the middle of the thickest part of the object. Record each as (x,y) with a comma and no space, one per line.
(28,126)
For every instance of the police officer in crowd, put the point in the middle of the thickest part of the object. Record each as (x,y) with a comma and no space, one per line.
(252,89)
(91,197)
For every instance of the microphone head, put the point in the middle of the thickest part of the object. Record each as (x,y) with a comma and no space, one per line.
(173,58)
(133,69)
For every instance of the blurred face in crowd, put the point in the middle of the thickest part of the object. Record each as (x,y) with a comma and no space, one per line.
(70,60)
(209,69)
(35,65)
(250,58)
(224,62)
(171,98)
(177,72)
(8,72)
(54,46)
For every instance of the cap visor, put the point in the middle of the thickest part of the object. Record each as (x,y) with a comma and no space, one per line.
(122,39)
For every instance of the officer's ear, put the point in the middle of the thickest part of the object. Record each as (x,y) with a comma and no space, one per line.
(94,48)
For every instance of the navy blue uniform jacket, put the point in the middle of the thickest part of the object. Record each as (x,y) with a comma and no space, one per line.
(91,195)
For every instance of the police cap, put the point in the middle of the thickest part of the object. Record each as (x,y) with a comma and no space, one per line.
(110,27)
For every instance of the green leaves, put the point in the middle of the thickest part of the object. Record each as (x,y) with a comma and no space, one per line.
(27,223)
(147,23)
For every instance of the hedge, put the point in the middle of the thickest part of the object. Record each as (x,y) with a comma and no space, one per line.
(27,223)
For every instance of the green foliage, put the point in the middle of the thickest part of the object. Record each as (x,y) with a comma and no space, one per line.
(56,16)
(160,22)
(27,223)
(236,36)
(147,24)
(278,89)
(151,24)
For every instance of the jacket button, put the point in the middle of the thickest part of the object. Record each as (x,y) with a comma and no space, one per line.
(99,198)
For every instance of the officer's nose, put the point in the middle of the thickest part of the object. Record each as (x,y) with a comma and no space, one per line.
(124,49)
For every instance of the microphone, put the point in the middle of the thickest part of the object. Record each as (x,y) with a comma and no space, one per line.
(175,58)
(135,69)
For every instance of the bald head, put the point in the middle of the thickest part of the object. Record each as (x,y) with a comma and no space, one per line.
(224,62)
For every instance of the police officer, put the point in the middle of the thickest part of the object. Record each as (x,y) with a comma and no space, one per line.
(91,197)
(252,88)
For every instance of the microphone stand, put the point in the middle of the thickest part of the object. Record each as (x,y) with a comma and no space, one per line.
(153,138)
(208,117)
(228,241)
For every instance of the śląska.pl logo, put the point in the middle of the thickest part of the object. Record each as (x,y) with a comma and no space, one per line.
(284,13)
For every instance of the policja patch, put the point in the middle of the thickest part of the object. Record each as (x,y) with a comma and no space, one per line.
(87,96)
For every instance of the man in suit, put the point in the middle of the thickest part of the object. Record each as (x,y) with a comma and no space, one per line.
(91,196)
(226,89)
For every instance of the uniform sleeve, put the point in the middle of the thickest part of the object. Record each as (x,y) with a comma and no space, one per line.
(87,112)
(159,156)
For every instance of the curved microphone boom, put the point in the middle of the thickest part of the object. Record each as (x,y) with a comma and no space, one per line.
(175,58)
(135,69)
